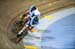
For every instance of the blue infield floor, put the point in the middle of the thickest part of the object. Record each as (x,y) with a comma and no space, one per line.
(55,31)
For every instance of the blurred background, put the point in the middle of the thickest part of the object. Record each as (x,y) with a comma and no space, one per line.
(11,9)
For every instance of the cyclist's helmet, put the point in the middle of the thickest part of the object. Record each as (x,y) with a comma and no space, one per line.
(33,8)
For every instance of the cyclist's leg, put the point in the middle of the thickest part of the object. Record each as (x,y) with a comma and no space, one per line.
(21,31)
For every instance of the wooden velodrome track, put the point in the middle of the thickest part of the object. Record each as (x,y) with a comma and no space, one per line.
(5,26)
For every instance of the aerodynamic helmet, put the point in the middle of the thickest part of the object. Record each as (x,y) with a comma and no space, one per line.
(33,8)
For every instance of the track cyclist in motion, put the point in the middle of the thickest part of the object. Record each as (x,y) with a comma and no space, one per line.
(33,13)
